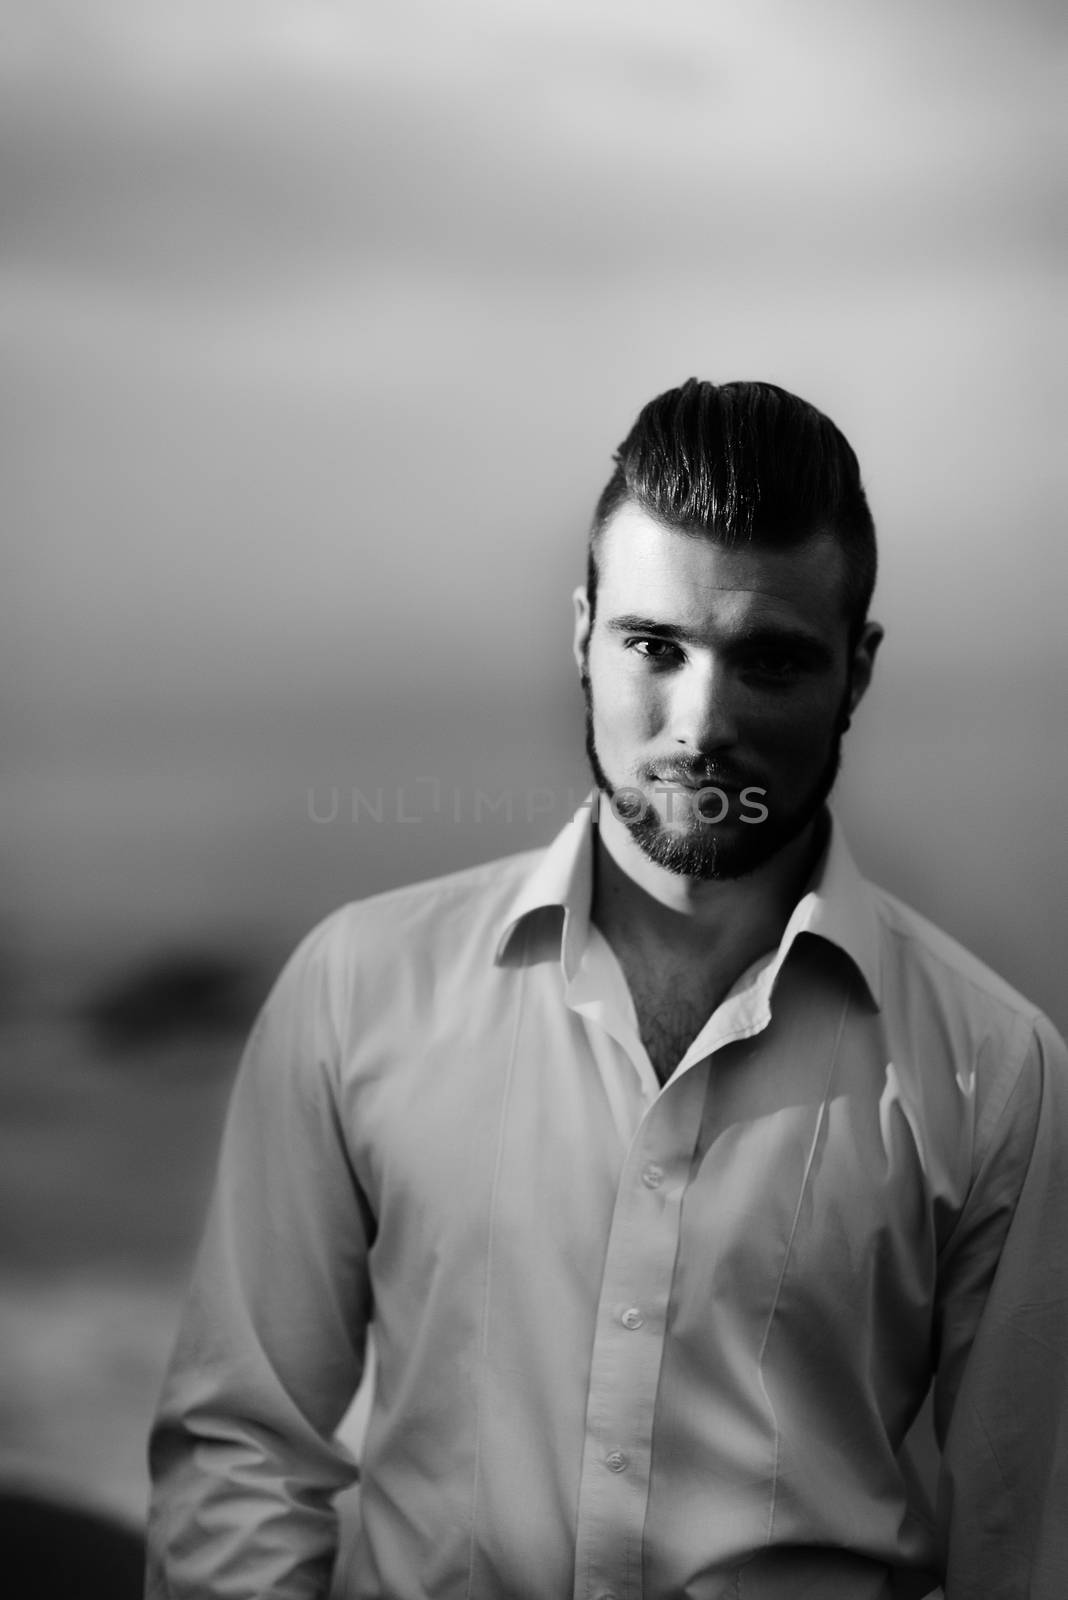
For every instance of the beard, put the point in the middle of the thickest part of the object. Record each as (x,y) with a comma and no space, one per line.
(702,849)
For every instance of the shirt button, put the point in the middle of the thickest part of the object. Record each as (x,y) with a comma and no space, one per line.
(652,1176)
(617,1461)
(632,1318)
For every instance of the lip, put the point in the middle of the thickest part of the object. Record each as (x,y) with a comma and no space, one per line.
(703,786)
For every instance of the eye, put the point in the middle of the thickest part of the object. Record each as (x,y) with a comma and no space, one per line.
(654,649)
(774,666)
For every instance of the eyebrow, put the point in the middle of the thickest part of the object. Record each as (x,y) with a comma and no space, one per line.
(758,636)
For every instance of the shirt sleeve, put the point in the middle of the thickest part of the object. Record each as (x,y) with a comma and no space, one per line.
(271,1347)
(1001,1389)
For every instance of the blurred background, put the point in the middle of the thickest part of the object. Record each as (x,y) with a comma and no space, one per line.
(320,323)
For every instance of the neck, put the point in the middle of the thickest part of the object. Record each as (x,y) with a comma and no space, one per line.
(639,905)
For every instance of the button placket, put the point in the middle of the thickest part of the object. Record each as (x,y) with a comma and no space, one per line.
(625,1370)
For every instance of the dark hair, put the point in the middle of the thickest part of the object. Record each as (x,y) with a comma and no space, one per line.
(744,463)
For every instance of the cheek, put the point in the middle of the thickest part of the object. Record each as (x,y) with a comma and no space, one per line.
(625,710)
(795,735)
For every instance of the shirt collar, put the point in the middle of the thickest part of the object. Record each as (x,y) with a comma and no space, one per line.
(837,904)
(563,877)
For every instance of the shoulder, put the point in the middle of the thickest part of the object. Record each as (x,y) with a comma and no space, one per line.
(389,968)
(949,1004)
(435,909)
(434,923)
(920,950)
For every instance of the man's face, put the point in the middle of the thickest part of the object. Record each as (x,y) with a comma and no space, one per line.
(708,669)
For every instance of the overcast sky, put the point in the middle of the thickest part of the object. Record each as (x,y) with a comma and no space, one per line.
(320,323)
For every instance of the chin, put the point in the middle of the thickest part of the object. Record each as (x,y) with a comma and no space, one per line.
(709,853)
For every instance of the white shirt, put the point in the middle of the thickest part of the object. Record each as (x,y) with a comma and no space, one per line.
(634,1342)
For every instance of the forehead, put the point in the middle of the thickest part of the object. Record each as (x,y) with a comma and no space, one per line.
(693,582)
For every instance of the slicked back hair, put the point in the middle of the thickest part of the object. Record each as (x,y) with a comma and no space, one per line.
(744,464)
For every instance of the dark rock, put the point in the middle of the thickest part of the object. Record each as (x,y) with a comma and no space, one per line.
(52,1551)
(177,996)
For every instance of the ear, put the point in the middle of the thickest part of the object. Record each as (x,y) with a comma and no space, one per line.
(582,627)
(863,663)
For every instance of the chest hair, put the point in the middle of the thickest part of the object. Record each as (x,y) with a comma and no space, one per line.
(672,1007)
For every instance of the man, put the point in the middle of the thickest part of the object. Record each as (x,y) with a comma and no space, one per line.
(669,1167)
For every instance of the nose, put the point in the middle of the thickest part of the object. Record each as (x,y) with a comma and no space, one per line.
(702,711)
